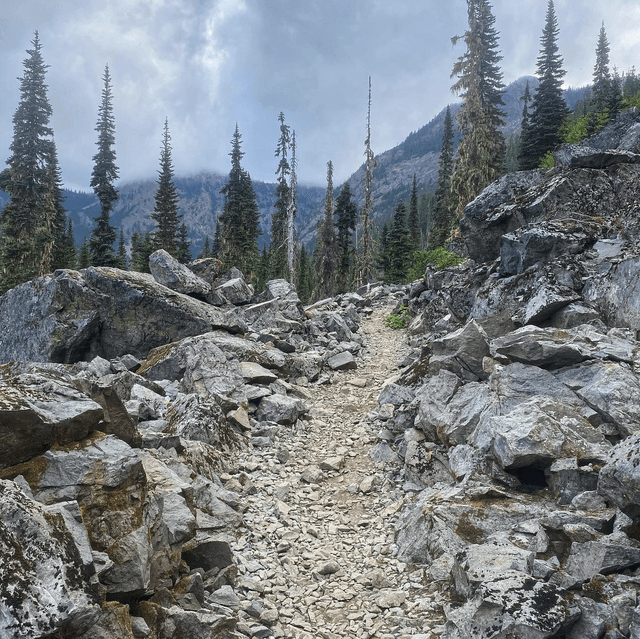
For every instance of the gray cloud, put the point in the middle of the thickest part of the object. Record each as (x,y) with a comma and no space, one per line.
(206,64)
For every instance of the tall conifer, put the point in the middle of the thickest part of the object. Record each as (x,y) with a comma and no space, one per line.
(346,219)
(325,255)
(165,212)
(278,267)
(398,247)
(239,221)
(444,215)
(548,106)
(28,220)
(414,218)
(482,148)
(104,174)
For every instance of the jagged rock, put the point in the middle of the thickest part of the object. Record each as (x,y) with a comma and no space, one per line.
(576,314)
(434,397)
(619,479)
(166,270)
(255,374)
(280,408)
(209,269)
(123,518)
(116,420)
(42,585)
(286,297)
(461,352)
(609,388)
(616,293)
(38,408)
(167,623)
(518,605)
(537,432)
(610,553)
(236,291)
(342,362)
(538,244)
(74,315)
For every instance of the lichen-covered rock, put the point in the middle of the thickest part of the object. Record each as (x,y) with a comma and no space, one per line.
(43,589)
(38,408)
(166,270)
(75,315)
(619,479)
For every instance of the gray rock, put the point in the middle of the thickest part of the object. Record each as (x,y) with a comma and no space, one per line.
(236,291)
(537,432)
(71,315)
(224,596)
(40,407)
(209,269)
(434,397)
(281,409)
(255,374)
(461,352)
(42,586)
(166,270)
(208,554)
(619,479)
(286,298)
(342,362)
(383,454)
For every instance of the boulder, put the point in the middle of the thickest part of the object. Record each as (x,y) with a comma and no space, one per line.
(619,479)
(286,298)
(166,270)
(342,362)
(280,408)
(236,291)
(43,589)
(537,432)
(434,397)
(70,316)
(209,269)
(40,407)
(461,352)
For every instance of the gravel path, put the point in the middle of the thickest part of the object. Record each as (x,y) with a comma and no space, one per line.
(316,558)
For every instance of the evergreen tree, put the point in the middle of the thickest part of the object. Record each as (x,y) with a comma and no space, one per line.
(104,174)
(183,251)
(524,124)
(141,248)
(238,228)
(206,250)
(84,255)
(292,211)
(414,218)
(121,256)
(615,96)
(601,76)
(398,247)
(548,106)
(346,220)
(444,214)
(70,257)
(304,284)
(278,251)
(482,148)
(29,218)
(383,249)
(325,255)
(61,256)
(365,256)
(262,271)
(217,239)
(165,212)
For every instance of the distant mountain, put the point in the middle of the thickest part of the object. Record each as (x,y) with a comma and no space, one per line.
(201,202)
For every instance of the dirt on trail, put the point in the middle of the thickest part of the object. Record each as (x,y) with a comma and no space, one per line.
(316,557)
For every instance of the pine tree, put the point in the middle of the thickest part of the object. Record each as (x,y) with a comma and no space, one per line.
(601,89)
(482,148)
(141,248)
(346,220)
(365,256)
(84,255)
(398,247)
(238,228)
(60,254)
(29,218)
(262,271)
(548,106)
(121,256)
(183,251)
(70,258)
(414,219)
(444,214)
(304,283)
(278,251)
(206,250)
(104,174)
(524,124)
(165,212)
(292,211)
(325,256)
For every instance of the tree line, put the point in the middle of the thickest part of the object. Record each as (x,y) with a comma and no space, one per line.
(36,237)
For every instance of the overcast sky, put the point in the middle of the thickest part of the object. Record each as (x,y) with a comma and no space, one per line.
(207,64)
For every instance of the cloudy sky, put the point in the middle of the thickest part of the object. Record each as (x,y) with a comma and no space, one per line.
(207,64)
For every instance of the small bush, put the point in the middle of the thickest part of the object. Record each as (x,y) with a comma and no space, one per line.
(399,319)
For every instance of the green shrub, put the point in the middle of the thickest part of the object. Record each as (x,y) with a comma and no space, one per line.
(398,319)
(439,258)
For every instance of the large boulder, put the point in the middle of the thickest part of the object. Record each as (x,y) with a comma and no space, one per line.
(166,270)
(619,479)
(75,315)
(43,591)
(40,407)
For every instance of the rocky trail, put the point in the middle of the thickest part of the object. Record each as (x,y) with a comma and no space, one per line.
(319,555)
